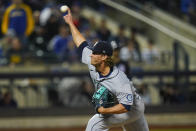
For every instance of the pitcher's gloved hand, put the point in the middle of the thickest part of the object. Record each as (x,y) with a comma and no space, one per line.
(103,97)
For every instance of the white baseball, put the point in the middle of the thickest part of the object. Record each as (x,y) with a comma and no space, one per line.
(64,8)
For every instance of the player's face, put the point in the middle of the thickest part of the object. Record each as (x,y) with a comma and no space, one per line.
(96,59)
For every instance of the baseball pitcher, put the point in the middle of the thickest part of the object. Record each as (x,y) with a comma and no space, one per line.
(115,99)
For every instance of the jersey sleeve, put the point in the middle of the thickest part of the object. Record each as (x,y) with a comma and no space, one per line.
(30,20)
(5,20)
(125,95)
(84,52)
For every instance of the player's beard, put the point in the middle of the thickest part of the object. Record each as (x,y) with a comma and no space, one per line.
(97,66)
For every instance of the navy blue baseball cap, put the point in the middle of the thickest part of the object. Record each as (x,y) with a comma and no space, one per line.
(102,47)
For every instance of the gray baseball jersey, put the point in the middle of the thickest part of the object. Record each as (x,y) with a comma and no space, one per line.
(117,83)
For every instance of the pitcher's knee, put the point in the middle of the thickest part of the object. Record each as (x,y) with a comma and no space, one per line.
(96,124)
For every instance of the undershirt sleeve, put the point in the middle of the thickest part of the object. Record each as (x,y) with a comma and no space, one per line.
(84,53)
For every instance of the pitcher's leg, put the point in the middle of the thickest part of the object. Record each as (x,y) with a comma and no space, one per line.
(138,125)
(96,123)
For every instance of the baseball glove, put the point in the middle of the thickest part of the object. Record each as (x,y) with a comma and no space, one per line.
(103,97)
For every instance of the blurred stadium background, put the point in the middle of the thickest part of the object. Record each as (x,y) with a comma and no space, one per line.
(44,87)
